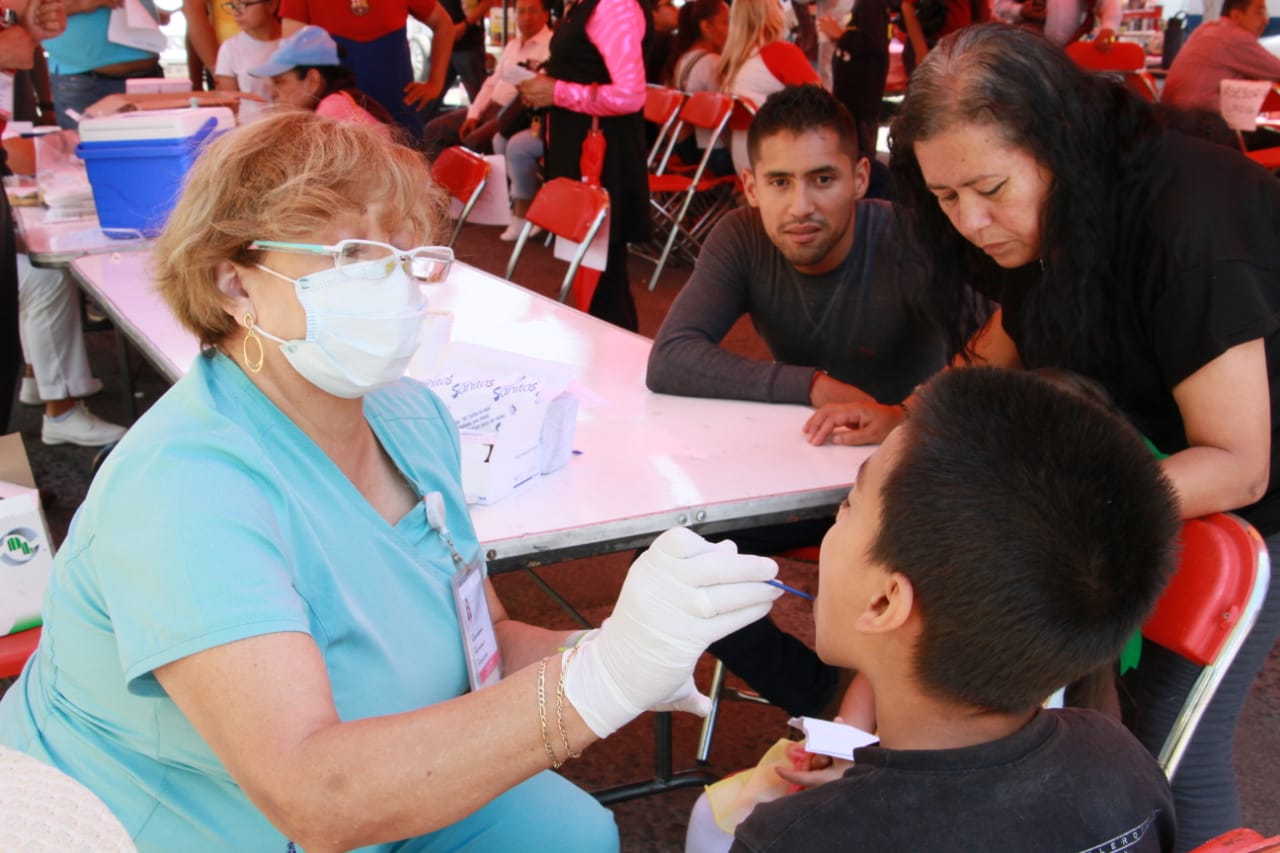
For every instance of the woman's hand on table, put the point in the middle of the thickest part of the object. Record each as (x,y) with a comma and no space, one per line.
(852,423)
(538,92)
(681,595)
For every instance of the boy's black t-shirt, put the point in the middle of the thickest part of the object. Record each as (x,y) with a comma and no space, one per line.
(1070,780)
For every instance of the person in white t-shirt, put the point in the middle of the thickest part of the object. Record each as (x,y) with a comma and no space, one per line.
(259,36)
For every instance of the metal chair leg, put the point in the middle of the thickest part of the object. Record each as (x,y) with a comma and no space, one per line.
(709,724)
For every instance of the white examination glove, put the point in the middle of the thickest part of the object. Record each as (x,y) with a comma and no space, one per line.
(680,596)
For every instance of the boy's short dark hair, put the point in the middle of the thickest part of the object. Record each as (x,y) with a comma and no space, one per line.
(1229,6)
(798,109)
(1036,528)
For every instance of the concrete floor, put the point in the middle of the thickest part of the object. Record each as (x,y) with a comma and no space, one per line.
(655,823)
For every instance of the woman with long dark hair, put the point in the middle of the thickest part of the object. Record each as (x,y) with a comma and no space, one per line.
(1136,256)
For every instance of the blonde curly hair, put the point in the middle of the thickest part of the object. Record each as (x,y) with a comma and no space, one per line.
(284,177)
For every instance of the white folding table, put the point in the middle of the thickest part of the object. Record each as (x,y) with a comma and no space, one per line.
(644,462)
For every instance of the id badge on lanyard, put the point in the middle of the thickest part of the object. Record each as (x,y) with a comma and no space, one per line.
(479,643)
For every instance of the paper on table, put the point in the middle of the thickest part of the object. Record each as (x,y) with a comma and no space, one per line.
(834,739)
(132,26)
(1240,101)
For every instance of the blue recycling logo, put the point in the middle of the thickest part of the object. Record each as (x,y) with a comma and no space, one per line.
(19,546)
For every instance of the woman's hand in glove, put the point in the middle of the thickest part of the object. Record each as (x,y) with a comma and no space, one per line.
(681,595)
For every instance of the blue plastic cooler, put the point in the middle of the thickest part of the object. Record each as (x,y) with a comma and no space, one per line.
(136,182)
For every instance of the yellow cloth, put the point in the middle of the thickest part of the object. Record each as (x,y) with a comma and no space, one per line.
(733,797)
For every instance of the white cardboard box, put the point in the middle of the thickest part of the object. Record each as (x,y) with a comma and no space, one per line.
(496,462)
(26,553)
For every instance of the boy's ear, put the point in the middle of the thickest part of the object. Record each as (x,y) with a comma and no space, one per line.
(891,606)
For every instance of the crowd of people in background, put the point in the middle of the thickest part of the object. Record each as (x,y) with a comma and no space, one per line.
(1106,245)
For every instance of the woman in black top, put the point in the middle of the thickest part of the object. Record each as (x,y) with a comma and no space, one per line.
(596,68)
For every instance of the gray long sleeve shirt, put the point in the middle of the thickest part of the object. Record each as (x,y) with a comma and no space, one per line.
(852,322)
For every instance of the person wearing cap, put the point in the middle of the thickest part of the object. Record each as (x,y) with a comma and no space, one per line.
(306,73)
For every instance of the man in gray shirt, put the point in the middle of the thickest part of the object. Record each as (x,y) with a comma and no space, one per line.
(824,278)
(820,271)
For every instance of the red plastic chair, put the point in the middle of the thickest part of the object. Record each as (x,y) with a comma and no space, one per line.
(15,649)
(1240,841)
(566,208)
(672,195)
(463,173)
(1206,612)
(661,107)
(1124,57)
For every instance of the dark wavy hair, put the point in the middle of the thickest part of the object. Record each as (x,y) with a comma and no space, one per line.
(1093,136)
(688,31)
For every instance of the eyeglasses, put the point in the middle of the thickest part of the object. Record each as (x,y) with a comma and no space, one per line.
(238,6)
(372,261)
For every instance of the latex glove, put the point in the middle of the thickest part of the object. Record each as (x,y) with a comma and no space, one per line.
(680,596)
(688,698)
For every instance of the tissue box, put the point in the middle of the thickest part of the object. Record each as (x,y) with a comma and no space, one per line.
(559,426)
(26,555)
(495,463)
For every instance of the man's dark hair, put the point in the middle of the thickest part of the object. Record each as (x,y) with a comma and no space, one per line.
(799,109)
(1036,528)
(1229,6)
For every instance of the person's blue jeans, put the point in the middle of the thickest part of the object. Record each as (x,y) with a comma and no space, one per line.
(523,151)
(76,92)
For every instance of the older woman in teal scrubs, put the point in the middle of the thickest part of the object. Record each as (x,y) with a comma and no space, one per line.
(252,631)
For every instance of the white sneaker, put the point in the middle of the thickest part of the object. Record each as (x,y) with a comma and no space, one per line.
(29,393)
(513,230)
(80,426)
(535,231)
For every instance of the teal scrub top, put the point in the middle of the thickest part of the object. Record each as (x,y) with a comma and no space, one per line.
(217,519)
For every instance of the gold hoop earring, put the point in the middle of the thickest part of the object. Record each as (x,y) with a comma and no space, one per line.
(254,364)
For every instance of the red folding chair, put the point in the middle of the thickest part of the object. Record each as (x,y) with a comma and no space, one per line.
(15,649)
(661,108)
(463,173)
(1125,58)
(1240,841)
(566,208)
(1206,612)
(672,195)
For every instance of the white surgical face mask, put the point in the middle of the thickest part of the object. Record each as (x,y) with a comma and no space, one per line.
(361,333)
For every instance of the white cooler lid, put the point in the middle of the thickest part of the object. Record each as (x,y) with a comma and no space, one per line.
(154,124)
